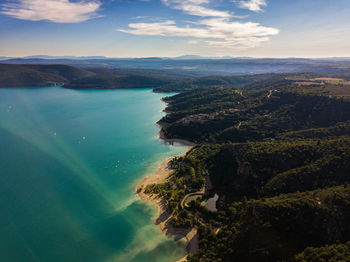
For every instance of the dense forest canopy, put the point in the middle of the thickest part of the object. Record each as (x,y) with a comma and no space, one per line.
(277,153)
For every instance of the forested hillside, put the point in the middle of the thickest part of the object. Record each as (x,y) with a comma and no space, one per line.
(84,78)
(278,228)
(222,114)
(207,81)
(277,153)
(39,75)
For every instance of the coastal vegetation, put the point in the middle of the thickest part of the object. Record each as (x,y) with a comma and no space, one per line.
(227,114)
(277,154)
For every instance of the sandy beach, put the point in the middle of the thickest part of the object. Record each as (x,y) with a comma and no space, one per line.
(163,217)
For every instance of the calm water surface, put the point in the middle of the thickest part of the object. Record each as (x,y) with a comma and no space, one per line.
(69,163)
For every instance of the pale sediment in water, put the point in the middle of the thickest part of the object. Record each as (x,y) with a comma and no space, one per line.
(69,160)
(163,216)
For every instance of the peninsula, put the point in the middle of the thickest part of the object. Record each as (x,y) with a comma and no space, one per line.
(275,154)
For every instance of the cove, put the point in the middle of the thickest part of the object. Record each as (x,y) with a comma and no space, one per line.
(69,163)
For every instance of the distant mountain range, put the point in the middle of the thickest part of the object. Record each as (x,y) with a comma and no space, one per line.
(196,65)
(2,58)
(102,72)
(184,57)
(64,57)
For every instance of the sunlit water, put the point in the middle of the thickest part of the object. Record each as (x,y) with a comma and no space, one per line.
(69,163)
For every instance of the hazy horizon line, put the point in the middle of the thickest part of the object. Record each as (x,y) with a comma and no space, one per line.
(172,57)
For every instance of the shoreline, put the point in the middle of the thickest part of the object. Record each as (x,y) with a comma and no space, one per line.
(181,142)
(163,217)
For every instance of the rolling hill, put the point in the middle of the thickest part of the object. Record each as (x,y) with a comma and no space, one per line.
(39,75)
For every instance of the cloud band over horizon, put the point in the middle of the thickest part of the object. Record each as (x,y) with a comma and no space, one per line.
(215,28)
(214,31)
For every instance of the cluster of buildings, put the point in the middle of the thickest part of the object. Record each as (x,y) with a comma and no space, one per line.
(200,118)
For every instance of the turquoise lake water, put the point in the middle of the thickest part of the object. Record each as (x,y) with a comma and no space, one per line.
(69,163)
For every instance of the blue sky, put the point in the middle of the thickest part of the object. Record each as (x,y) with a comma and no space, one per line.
(167,28)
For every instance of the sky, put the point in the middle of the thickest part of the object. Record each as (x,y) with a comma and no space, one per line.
(170,28)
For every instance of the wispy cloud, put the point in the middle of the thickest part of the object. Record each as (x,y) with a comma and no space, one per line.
(219,32)
(167,28)
(215,27)
(193,42)
(252,5)
(58,11)
(196,8)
